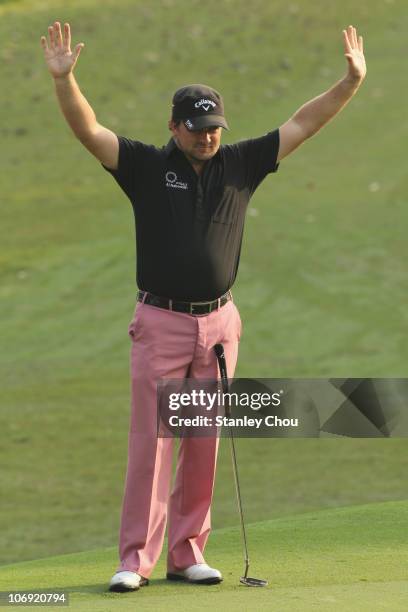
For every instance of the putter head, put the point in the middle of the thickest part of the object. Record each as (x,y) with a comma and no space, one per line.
(254,582)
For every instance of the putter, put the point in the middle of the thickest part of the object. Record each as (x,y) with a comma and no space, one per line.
(255,582)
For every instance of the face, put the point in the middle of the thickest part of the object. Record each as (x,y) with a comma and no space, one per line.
(199,145)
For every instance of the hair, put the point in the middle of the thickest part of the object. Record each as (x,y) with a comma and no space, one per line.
(176,122)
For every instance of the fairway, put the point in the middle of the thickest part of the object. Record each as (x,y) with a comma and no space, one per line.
(351,559)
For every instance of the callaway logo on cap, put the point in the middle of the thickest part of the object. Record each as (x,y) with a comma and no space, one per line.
(198,106)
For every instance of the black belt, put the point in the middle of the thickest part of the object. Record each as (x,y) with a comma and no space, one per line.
(194,308)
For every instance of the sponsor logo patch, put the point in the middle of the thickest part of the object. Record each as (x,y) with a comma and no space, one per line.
(205,104)
(173,182)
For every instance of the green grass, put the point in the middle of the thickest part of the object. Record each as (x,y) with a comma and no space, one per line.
(349,558)
(321,286)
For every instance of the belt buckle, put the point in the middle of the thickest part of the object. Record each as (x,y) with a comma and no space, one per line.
(193,304)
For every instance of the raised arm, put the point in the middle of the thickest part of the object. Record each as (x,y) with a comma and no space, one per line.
(61,61)
(317,112)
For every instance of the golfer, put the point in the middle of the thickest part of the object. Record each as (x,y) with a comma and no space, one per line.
(189,200)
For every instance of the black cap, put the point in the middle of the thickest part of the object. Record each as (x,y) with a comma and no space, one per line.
(198,106)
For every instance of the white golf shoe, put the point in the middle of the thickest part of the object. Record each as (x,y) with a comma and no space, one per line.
(127,581)
(200,573)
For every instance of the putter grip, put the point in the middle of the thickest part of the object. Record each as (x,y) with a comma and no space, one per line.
(219,351)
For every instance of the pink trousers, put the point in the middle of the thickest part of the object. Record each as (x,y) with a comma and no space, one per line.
(170,345)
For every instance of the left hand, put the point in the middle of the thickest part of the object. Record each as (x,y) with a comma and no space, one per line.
(353,51)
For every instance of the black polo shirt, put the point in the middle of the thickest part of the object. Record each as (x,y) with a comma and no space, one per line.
(188,227)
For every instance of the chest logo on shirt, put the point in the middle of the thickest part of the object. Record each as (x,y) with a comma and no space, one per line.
(173,182)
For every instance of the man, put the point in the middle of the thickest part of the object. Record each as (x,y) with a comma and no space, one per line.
(189,199)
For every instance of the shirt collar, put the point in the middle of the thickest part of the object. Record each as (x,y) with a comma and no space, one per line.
(170,147)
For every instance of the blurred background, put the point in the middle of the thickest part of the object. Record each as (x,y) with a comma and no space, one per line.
(321,288)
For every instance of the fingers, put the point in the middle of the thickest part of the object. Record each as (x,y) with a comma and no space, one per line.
(351,35)
(78,50)
(352,41)
(56,40)
(57,34)
(350,32)
(67,37)
(51,36)
(44,43)
(361,44)
(346,41)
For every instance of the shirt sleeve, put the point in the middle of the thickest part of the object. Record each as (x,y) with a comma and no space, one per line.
(132,159)
(259,157)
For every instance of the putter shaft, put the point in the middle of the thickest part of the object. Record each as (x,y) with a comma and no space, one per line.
(255,582)
(219,350)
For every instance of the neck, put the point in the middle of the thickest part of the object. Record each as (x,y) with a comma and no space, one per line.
(198,164)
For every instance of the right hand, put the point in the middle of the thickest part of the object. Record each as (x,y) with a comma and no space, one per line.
(58,55)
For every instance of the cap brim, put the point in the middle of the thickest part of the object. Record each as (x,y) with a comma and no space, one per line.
(198,123)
